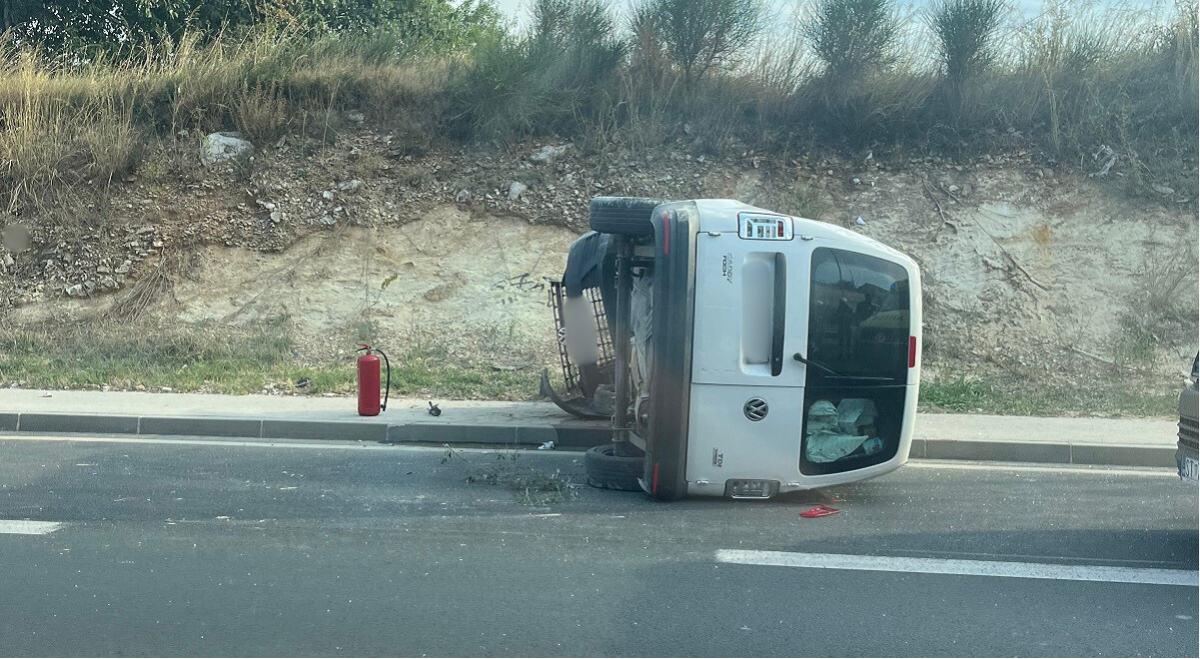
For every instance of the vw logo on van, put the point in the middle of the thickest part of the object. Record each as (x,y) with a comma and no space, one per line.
(755,409)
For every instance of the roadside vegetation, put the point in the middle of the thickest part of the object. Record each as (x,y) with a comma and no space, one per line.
(83,92)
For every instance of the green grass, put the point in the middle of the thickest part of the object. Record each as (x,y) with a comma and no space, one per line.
(1102,397)
(222,360)
(225,360)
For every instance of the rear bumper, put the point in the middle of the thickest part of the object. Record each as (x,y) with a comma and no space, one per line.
(800,482)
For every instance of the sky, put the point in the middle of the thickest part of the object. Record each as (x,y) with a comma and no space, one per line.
(518,10)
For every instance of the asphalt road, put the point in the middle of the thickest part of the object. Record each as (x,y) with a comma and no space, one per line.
(213,548)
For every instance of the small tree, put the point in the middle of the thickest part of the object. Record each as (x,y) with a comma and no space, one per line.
(649,74)
(852,36)
(702,34)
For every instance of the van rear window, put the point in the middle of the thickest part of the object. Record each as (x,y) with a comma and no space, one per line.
(858,316)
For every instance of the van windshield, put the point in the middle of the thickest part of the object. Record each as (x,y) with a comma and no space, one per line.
(858,317)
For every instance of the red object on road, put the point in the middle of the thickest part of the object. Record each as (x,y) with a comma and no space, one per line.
(819,511)
(369,381)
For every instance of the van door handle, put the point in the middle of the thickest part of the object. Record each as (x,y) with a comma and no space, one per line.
(779,314)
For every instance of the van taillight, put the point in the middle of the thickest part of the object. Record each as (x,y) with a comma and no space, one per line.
(912,351)
(667,234)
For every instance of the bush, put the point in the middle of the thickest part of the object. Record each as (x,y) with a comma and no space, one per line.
(84,28)
(544,81)
(852,37)
(703,34)
(967,34)
(650,78)
(260,113)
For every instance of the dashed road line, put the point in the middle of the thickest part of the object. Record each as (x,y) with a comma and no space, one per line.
(28,527)
(1102,573)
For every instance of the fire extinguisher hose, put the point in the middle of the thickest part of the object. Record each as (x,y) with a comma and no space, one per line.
(387,389)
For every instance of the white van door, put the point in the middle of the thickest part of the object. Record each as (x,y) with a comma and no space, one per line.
(751,316)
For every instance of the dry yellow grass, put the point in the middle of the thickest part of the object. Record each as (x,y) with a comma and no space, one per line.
(64,124)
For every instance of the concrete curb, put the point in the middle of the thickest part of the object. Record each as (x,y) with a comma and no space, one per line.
(1111,455)
(571,435)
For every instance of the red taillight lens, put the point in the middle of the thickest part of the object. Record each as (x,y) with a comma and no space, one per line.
(666,234)
(912,351)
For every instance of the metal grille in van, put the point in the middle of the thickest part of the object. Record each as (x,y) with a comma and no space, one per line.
(558,296)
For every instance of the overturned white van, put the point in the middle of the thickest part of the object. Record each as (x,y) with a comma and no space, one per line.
(738,352)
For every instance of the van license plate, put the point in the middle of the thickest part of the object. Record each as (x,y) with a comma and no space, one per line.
(1189,470)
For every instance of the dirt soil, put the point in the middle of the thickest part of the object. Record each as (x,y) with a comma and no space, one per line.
(1027,269)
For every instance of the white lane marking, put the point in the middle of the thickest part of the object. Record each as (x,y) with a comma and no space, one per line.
(963,567)
(26,527)
(1150,472)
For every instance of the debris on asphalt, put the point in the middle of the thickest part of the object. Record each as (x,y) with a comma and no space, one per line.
(819,511)
(547,446)
(434,410)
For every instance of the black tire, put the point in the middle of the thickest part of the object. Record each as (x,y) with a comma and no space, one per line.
(609,471)
(623,216)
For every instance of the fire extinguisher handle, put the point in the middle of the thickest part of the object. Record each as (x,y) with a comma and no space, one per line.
(388,388)
(363,346)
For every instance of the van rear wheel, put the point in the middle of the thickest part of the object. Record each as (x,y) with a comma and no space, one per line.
(610,471)
(623,216)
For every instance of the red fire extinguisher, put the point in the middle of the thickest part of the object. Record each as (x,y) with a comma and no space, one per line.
(368,381)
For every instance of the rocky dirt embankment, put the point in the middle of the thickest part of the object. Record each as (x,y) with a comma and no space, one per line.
(1037,271)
